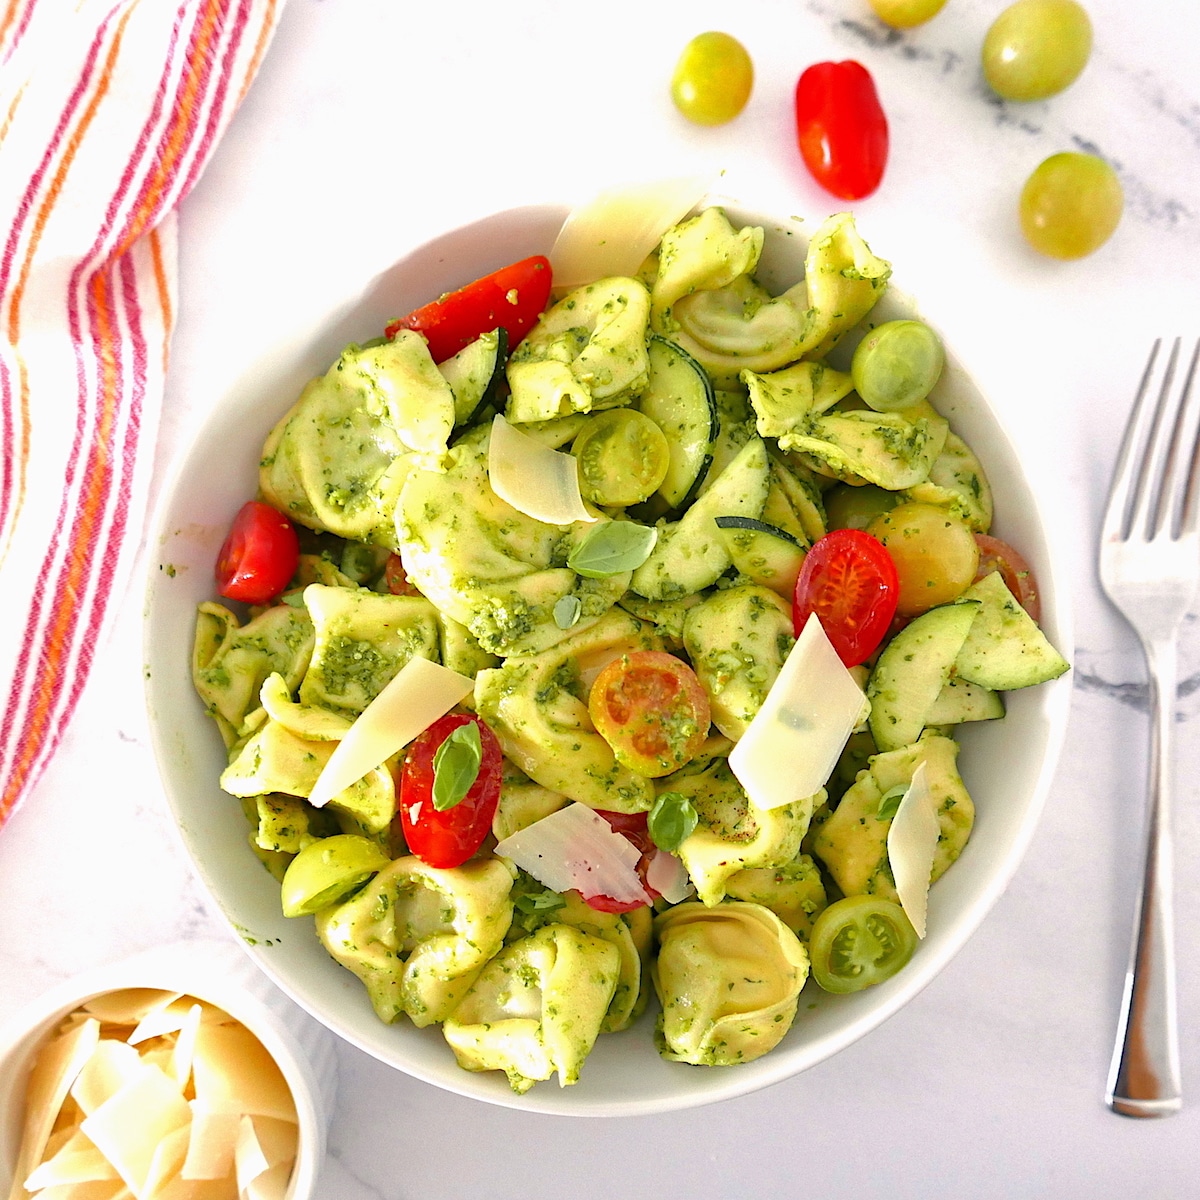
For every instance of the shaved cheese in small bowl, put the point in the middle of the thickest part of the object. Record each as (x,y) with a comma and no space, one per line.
(614,231)
(540,482)
(911,844)
(576,848)
(794,741)
(153,1093)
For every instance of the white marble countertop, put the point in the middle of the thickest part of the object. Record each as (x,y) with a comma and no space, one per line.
(374,125)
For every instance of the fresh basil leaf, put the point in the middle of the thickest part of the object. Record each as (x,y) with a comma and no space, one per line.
(456,766)
(612,548)
(546,901)
(672,821)
(566,611)
(889,802)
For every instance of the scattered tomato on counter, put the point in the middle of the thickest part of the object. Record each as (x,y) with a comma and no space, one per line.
(1036,48)
(841,128)
(1071,205)
(906,14)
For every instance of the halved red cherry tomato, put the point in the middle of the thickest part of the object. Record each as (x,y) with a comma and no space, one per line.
(849,580)
(449,838)
(512,297)
(634,827)
(652,710)
(259,556)
(1018,576)
(841,128)
(396,578)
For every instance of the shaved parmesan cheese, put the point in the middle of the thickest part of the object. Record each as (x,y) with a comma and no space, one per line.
(211,1146)
(420,693)
(614,232)
(270,1185)
(111,1066)
(78,1161)
(169,1157)
(794,741)
(248,1158)
(184,1050)
(129,1005)
(129,1126)
(667,875)
(540,482)
(577,848)
(234,1073)
(911,844)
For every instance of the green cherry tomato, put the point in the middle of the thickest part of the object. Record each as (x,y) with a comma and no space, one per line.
(712,79)
(859,941)
(897,364)
(1036,48)
(326,870)
(1071,205)
(623,456)
(906,14)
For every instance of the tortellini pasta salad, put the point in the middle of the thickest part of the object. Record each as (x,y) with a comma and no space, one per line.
(609,523)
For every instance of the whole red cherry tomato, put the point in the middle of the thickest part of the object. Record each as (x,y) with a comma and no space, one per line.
(633,827)
(849,580)
(841,129)
(512,297)
(449,837)
(259,556)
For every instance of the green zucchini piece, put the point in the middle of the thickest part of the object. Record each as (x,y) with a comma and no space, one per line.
(764,553)
(912,670)
(1005,648)
(961,701)
(475,373)
(691,554)
(679,399)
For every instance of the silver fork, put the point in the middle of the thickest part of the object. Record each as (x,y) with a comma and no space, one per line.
(1150,568)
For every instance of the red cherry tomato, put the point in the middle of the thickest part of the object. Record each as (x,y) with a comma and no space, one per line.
(259,556)
(396,578)
(652,710)
(849,580)
(634,827)
(1018,576)
(512,297)
(449,838)
(841,128)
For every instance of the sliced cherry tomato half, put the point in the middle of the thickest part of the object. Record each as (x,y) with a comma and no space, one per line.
(512,297)
(259,556)
(653,711)
(841,128)
(849,580)
(1018,576)
(448,838)
(859,941)
(634,827)
(396,578)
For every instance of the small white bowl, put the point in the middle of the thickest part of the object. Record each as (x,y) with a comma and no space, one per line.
(1008,765)
(221,974)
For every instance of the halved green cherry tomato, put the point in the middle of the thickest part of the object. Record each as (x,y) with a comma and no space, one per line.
(713,79)
(634,828)
(1018,576)
(897,365)
(935,553)
(448,838)
(841,128)
(859,941)
(623,456)
(849,580)
(328,869)
(653,711)
(259,556)
(512,298)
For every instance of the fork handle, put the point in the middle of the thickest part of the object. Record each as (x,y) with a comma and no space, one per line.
(1144,1078)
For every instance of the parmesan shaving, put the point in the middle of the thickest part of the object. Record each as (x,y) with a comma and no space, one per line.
(420,693)
(540,482)
(667,875)
(576,848)
(210,1149)
(796,737)
(911,844)
(613,233)
(233,1072)
(78,1161)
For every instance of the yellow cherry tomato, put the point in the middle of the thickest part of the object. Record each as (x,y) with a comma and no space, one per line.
(712,79)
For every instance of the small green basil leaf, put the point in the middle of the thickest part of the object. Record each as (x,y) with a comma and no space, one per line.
(611,548)
(566,611)
(672,821)
(889,802)
(546,901)
(456,766)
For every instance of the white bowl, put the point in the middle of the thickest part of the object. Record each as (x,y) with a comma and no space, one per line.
(221,974)
(1007,765)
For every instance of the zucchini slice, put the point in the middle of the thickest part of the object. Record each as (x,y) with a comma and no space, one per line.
(475,373)
(679,398)
(764,553)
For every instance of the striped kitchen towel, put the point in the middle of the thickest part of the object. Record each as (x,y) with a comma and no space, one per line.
(109,110)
